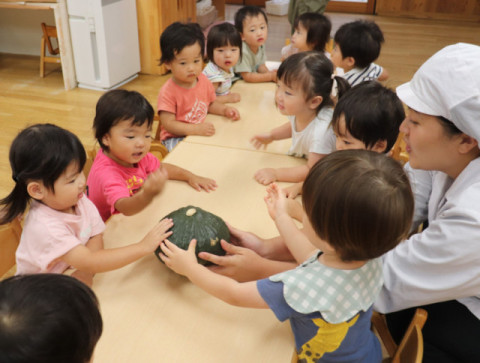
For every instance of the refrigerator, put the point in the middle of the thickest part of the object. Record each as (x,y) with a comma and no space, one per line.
(104,37)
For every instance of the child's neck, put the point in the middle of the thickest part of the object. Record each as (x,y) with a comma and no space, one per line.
(185,84)
(331,259)
(254,48)
(117,160)
(303,120)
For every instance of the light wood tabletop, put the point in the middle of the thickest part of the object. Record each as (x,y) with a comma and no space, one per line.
(258,114)
(153,315)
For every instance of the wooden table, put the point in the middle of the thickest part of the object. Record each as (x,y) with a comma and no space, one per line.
(153,315)
(258,114)
(63,31)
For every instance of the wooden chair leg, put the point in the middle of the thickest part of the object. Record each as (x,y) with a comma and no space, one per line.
(42,57)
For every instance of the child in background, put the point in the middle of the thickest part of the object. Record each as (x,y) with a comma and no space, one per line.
(328,298)
(48,318)
(357,45)
(125,176)
(62,228)
(312,32)
(224,48)
(304,93)
(186,98)
(252,24)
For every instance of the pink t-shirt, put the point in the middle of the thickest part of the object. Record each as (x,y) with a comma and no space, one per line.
(109,181)
(189,105)
(49,234)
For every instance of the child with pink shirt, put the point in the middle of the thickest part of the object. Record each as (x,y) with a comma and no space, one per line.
(62,228)
(125,176)
(187,97)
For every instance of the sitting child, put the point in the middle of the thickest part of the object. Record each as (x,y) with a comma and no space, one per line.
(224,48)
(186,98)
(252,24)
(62,229)
(312,32)
(48,318)
(357,45)
(305,88)
(358,206)
(125,176)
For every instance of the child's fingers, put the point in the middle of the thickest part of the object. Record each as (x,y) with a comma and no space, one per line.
(192,245)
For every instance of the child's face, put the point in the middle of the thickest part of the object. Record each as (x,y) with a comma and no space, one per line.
(299,38)
(255,31)
(226,57)
(127,143)
(186,66)
(291,100)
(345,141)
(68,189)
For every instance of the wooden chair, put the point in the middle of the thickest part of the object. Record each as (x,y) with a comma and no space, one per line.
(90,157)
(9,239)
(410,349)
(399,151)
(49,31)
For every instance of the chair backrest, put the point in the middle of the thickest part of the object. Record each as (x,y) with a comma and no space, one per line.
(50,31)
(9,239)
(399,151)
(410,349)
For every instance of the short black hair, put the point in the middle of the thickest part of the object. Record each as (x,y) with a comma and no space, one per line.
(318,28)
(242,14)
(177,36)
(360,39)
(120,105)
(372,113)
(47,318)
(222,35)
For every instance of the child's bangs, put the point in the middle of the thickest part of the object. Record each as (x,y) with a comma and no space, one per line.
(296,79)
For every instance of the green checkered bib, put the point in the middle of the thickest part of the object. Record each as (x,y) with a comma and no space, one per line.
(337,294)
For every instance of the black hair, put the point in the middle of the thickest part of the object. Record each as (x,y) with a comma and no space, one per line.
(246,11)
(449,127)
(360,39)
(318,28)
(313,72)
(41,152)
(120,105)
(177,36)
(47,318)
(222,35)
(372,113)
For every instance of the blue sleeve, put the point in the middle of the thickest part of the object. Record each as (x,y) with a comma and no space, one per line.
(272,293)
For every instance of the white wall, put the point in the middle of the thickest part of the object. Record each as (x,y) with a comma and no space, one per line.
(20,30)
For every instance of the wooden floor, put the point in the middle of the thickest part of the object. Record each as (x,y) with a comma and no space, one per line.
(25,98)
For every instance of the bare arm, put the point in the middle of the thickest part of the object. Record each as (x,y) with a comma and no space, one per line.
(384,75)
(232,292)
(229,98)
(279,133)
(172,125)
(254,77)
(218,108)
(195,181)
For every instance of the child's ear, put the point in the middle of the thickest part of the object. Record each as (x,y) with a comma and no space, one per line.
(167,66)
(315,102)
(379,146)
(106,139)
(36,190)
(349,61)
(241,35)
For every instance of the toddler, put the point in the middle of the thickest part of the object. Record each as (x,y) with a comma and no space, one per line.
(358,205)
(125,176)
(357,45)
(62,227)
(252,24)
(305,88)
(224,48)
(312,32)
(48,318)
(186,98)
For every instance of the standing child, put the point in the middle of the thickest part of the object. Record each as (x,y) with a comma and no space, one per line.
(224,48)
(312,32)
(358,206)
(304,93)
(186,98)
(252,24)
(62,228)
(357,45)
(48,318)
(125,176)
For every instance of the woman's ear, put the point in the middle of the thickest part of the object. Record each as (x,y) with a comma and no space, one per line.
(379,146)
(36,190)
(467,143)
(315,102)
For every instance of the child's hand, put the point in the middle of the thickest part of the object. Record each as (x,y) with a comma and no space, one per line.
(293,190)
(276,201)
(261,139)
(265,176)
(205,129)
(157,235)
(274,75)
(232,113)
(200,183)
(178,259)
(155,182)
(234,97)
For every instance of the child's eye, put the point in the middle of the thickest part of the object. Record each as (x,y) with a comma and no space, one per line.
(288,93)
(220,50)
(182,63)
(148,136)
(196,61)
(130,137)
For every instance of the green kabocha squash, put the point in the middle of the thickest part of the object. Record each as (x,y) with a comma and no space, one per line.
(193,222)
